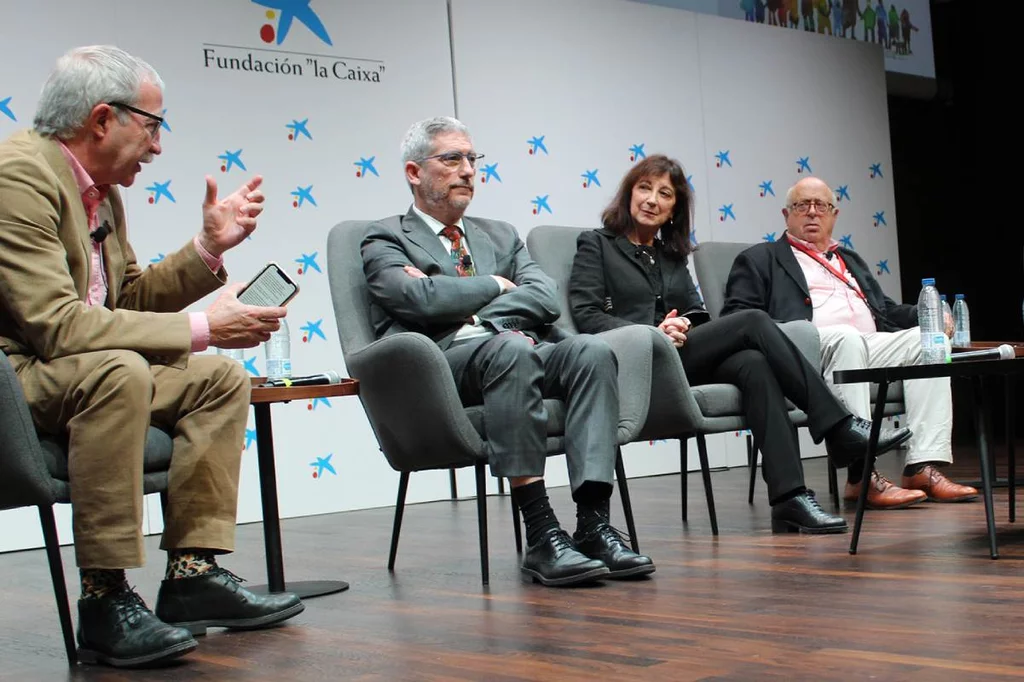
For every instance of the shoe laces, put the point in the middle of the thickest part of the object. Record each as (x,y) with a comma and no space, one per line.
(232,578)
(130,605)
(881,482)
(561,540)
(611,534)
(813,501)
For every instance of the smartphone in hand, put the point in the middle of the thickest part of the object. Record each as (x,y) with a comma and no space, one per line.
(271,287)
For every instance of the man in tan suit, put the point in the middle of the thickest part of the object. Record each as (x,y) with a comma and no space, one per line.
(102,351)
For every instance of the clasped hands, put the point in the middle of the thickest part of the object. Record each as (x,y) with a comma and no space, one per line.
(675,327)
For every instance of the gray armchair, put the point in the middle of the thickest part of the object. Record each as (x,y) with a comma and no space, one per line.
(34,473)
(429,427)
(713,261)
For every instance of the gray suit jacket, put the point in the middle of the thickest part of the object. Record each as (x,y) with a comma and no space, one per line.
(439,304)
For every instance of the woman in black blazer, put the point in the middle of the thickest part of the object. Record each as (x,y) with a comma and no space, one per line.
(633,271)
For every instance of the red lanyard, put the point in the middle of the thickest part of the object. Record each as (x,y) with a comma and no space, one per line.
(838,274)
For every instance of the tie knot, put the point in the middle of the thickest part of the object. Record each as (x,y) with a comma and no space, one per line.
(452,233)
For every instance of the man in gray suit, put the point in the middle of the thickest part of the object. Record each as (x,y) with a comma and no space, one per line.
(470,285)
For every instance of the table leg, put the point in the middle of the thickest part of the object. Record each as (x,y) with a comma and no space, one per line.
(983,419)
(272,519)
(869,461)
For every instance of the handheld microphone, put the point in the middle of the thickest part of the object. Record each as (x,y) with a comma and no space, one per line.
(101,232)
(467,261)
(328,377)
(1003,352)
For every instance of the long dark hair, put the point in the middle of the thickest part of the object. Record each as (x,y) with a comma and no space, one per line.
(675,234)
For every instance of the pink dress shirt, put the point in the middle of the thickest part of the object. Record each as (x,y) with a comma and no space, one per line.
(834,303)
(92,196)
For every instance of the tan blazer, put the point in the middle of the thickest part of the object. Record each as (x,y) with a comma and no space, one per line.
(45,258)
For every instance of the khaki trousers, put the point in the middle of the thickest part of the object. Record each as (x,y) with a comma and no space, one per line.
(104,403)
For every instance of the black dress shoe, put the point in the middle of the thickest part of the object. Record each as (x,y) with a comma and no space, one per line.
(118,629)
(606,544)
(803,514)
(217,599)
(554,561)
(848,441)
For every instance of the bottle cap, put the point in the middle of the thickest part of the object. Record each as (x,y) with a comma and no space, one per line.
(928,282)
(959,297)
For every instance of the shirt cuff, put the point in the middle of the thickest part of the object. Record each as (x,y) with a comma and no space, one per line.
(200,331)
(215,263)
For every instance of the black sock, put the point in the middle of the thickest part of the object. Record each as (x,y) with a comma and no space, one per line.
(539,517)
(592,505)
(855,472)
(913,469)
(97,582)
(795,492)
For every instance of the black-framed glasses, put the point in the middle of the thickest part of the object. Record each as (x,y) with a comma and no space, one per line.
(802,207)
(454,159)
(152,128)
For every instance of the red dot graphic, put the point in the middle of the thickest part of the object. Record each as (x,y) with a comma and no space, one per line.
(314,474)
(359,174)
(483,179)
(305,339)
(632,158)
(718,164)
(267,33)
(721,218)
(290,136)
(151,200)
(584,185)
(310,406)
(295,204)
(762,193)
(300,271)
(534,211)
(530,151)
(799,170)
(223,169)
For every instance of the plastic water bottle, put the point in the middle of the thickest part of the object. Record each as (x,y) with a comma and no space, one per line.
(279,353)
(945,310)
(961,322)
(929,317)
(236,354)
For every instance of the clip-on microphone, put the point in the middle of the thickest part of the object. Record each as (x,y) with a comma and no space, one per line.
(101,232)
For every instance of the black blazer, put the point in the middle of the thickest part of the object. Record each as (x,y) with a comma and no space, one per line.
(608,287)
(768,277)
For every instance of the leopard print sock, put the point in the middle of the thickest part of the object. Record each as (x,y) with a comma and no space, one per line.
(188,563)
(96,582)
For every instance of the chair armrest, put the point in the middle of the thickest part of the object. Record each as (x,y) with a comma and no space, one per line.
(409,394)
(634,354)
(673,410)
(24,480)
(804,336)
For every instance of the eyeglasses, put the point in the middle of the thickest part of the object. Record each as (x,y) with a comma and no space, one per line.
(803,207)
(454,159)
(152,128)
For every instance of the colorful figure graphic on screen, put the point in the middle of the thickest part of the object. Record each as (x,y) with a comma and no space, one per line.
(850,12)
(883,33)
(759,6)
(291,10)
(792,13)
(837,17)
(894,27)
(774,8)
(807,9)
(5,108)
(748,9)
(824,8)
(906,26)
(868,15)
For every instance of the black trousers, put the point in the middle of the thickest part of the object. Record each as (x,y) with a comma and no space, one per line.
(747,349)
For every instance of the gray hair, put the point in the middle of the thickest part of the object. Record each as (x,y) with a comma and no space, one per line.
(85,77)
(791,190)
(419,139)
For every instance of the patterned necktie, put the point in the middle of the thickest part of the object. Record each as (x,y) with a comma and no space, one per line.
(460,257)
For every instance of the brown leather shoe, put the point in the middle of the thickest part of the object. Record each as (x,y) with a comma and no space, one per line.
(884,494)
(937,487)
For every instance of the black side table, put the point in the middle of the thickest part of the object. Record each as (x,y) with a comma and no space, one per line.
(976,370)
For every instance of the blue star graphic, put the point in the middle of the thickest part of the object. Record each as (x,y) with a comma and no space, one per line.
(323,464)
(843,192)
(637,152)
(299,128)
(366,166)
(308,262)
(302,195)
(723,159)
(5,109)
(693,237)
(537,143)
(768,237)
(296,9)
(876,170)
(590,178)
(541,204)
(689,182)
(250,366)
(726,211)
(847,241)
(312,328)
(164,124)
(803,164)
(232,159)
(159,257)
(883,266)
(766,188)
(160,189)
(250,437)
(880,218)
(490,172)
(317,401)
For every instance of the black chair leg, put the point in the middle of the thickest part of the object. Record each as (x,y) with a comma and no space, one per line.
(1011,455)
(501,485)
(481,515)
(517,525)
(453,483)
(705,472)
(627,506)
(60,588)
(752,463)
(833,483)
(163,504)
(403,487)
(682,474)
